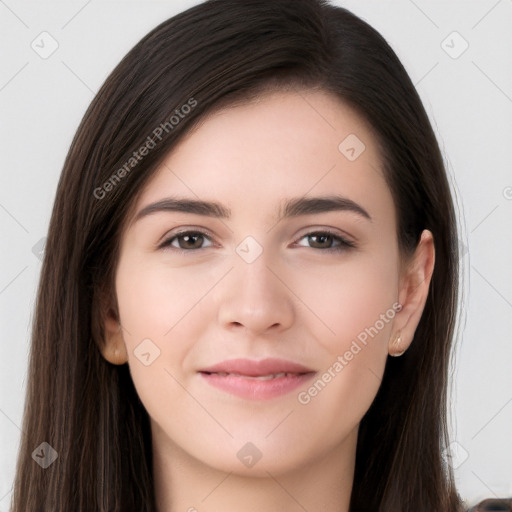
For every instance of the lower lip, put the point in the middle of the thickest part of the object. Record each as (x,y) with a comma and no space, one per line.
(255,389)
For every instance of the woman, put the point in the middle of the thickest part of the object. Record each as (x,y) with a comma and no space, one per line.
(253,215)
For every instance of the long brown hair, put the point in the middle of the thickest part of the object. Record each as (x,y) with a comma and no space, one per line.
(211,55)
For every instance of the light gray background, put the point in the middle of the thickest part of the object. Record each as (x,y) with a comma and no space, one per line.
(469,99)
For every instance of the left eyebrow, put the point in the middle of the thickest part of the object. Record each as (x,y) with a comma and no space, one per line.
(293,207)
(311,205)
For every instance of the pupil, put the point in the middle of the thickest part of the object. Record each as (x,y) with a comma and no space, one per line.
(321,238)
(189,239)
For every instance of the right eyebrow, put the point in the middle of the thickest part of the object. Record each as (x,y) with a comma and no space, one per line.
(170,204)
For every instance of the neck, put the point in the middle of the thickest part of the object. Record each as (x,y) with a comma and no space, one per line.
(185,484)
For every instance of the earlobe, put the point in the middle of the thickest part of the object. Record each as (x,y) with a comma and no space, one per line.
(113,348)
(413,293)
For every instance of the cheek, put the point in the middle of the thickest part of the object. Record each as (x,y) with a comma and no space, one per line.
(155,300)
(358,303)
(153,308)
(351,298)
(163,313)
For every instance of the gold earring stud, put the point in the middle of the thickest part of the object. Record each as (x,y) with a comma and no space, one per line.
(396,344)
(117,357)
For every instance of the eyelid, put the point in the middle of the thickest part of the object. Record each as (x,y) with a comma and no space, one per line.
(183,230)
(345,242)
(343,237)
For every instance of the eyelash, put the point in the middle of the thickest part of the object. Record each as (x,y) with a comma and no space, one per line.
(343,245)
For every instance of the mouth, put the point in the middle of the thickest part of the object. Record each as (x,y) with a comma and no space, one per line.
(257,377)
(257,380)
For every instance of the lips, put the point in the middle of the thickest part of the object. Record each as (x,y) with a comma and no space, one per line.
(258,377)
(257,380)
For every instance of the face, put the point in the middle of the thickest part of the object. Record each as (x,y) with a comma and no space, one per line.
(260,327)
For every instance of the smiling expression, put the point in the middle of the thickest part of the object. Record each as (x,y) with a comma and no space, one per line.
(261,247)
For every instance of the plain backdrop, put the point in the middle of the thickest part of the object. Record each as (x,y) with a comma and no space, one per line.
(458,54)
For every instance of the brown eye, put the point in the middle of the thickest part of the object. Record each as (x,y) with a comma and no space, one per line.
(187,240)
(322,241)
(327,241)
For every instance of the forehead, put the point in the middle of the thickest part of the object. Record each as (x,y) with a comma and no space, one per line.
(284,144)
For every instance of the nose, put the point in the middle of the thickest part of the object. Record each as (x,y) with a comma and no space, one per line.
(256,298)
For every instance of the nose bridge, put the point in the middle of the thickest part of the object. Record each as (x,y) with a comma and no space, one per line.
(252,264)
(256,279)
(255,297)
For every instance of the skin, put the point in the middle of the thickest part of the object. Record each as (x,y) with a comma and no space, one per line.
(295,301)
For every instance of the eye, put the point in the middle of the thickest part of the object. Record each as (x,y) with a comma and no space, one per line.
(186,241)
(328,241)
(193,240)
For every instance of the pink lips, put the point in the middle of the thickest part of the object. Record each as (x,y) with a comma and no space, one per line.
(257,380)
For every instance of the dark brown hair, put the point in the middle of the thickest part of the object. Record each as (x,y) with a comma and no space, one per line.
(215,54)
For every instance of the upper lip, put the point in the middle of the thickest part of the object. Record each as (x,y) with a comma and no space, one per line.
(252,368)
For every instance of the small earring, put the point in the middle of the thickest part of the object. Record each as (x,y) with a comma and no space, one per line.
(396,343)
(118,358)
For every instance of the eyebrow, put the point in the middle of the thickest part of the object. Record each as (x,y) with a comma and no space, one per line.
(293,207)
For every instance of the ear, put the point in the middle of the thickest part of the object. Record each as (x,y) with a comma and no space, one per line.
(108,329)
(413,293)
(114,348)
